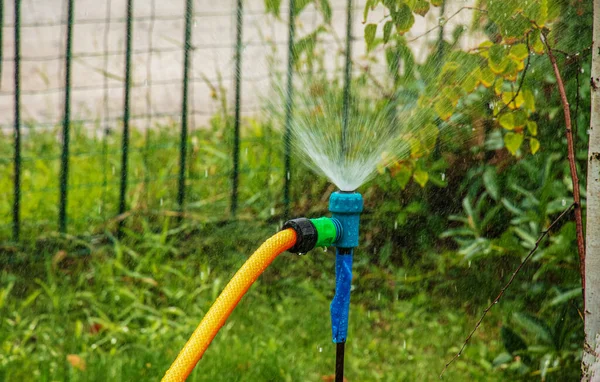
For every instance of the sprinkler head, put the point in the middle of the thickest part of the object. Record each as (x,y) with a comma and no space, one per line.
(346,208)
(340,230)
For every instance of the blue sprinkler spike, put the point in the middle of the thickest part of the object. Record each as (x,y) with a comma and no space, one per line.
(340,305)
(346,208)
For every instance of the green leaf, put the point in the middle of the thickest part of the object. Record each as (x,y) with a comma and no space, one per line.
(370,5)
(370,31)
(534,145)
(273,6)
(537,11)
(534,326)
(566,296)
(536,42)
(443,108)
(513,102)
(513,141)
(470,82)
(513,120)
(300,5)
(519,52)
(486,77)
(507,121)
(497,58)
(387,31)
(532,127)
(490,181)
(402,176)
(545,363)
(529,100)
(325,8)
(421,7)
(507,15)
(421,177)
(403,19)
(501,359)
(512,342)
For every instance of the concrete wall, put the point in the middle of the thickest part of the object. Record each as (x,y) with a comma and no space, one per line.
(99,43)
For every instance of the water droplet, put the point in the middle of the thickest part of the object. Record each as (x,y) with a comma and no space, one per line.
(443,176)
(469,263)
(396,224)
(563,202)
(288,175)
(404,344)
(582,70)
(206,173)
(320,349)
(272,211)
(379,296)
(300,254)
(161,202)
(113,340)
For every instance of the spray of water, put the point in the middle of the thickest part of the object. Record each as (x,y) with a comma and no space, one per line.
(347,158)
(377,132)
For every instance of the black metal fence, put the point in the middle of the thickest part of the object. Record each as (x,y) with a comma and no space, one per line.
(126,116)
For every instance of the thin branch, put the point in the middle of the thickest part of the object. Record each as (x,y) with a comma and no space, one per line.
(582,53)
(571,158)
(579,67)
(445,21)
(514,97)
(510,281)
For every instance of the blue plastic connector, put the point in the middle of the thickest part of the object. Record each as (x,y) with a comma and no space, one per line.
(346,208)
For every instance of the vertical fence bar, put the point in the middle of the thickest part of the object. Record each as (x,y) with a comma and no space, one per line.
(287,137)
(1,38)
(347,77)
(17,116)
(184,101)
(106,116)
(236,137)
(64,162)
(125,142)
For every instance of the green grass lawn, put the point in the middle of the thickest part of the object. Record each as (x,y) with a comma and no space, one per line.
(86,306)
(123,312)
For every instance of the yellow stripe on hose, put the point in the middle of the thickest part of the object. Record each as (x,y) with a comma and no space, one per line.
(228,299)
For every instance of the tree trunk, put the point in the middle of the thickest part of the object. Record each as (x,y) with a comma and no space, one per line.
(591,362)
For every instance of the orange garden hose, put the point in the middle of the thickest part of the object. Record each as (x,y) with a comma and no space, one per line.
(228,299)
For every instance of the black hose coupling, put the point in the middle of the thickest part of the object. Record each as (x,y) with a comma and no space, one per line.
(306,234)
